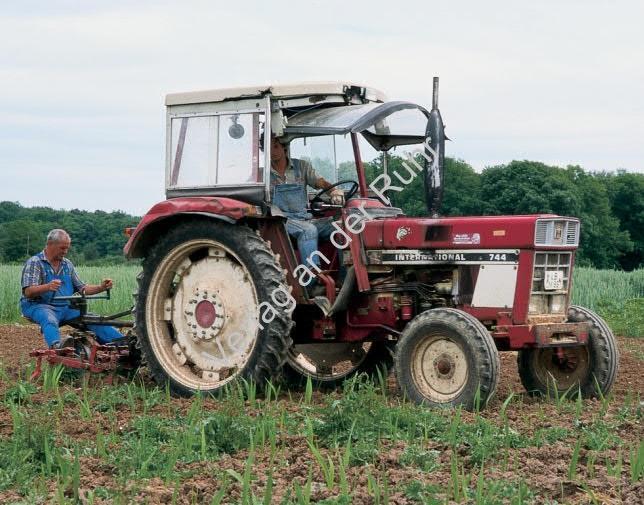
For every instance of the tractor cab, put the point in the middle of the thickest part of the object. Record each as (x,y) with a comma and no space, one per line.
(213,137)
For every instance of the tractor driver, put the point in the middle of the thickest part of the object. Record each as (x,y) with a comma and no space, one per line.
(49,273)
(289,179)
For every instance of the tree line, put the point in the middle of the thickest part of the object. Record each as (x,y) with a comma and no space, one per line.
(610,206)
(97,237)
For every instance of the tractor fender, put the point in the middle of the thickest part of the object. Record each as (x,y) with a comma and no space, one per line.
(170,212)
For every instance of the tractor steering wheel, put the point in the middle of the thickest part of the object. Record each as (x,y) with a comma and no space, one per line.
(352,191)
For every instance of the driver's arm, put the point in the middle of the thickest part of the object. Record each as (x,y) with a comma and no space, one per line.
(311,177)
(317,182)
(32,281)
(93,289)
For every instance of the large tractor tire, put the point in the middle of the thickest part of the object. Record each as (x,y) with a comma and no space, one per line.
(329,364)
(589,369)
(197,312)
(447,358)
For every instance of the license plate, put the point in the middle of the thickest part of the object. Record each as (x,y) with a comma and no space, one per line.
(553,280)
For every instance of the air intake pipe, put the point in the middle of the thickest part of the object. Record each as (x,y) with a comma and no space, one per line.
(435,150)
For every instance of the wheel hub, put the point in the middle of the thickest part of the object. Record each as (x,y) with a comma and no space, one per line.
(440,368)
(204,314)
(445,366)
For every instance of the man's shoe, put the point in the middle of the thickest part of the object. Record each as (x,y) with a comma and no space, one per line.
(65,341)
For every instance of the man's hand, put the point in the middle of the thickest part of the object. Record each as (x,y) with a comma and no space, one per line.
(106,284)
(337,197)
(53,285)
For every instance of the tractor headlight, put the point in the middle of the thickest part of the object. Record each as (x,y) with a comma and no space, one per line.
(557,304)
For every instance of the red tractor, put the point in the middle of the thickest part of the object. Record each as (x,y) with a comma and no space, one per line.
(224,294)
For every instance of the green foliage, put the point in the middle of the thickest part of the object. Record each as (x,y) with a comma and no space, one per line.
(627,203)
(96,236)
(20,392)
(423,459)
(242,442)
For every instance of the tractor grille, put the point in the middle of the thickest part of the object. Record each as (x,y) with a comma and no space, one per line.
(550,282)
(556,232)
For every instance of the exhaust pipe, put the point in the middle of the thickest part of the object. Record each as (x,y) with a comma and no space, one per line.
(434,175)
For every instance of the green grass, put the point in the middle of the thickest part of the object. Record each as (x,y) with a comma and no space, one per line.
(617,296)
(340,437)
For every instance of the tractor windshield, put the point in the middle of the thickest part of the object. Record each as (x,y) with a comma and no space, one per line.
(332,156)
(324,138)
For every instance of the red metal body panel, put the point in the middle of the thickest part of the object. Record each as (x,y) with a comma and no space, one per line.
(493,232)
(223,208)
(523,287)
(274,230)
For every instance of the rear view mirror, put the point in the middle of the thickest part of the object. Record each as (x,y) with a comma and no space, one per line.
(236,131)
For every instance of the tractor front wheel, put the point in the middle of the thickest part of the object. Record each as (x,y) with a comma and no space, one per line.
(447,358)
(197,312)
(587,369)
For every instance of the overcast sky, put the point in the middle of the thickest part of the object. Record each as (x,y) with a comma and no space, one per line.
(82,83)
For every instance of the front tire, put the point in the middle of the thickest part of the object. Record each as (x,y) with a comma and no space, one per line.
(590,369)
(444,357)
(197,312)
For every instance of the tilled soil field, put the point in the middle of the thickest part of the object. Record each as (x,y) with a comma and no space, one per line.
(130,442)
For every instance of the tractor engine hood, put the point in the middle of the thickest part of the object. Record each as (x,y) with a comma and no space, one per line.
(482,232)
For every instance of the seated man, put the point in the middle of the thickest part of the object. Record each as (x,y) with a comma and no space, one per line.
(289,179)
(49,273)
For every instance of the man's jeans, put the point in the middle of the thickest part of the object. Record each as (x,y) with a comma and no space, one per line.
(307,234)
(49,317)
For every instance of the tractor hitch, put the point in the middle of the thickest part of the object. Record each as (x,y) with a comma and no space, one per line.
(100,358)
(87,354)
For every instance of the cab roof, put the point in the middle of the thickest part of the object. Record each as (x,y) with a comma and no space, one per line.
(278,91)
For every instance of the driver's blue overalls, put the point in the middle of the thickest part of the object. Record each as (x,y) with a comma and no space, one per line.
(291,198)
(50,314)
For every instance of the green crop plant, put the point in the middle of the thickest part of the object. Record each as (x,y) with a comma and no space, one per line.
(636,461)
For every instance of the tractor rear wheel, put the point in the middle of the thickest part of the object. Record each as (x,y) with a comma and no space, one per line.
(197,312)
(589,369)
(447,358)
(329,364)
